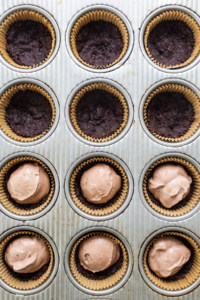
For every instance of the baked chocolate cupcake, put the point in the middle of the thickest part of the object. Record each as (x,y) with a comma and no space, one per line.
(99,112)
(27,186)
(171,186)
(27,39)
(98,186)
(27,112)
(169,31)
(98,260)
(99,39)
(171,112)
(171,261)
(26,260)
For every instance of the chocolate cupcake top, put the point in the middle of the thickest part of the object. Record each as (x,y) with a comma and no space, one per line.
(28,113)
(99,43)
(168,36)
(28,42)
(170,114)
(99,113)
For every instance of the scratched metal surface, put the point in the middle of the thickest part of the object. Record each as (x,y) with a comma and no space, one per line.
(136,149)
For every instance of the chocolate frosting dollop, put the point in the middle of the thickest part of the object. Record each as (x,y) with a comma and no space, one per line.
(27,254)
(98,253)
(167,256)
(100,183)
(28,184)
(169,184)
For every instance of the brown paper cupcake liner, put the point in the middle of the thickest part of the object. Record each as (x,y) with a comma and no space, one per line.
(24,15)
(4,199)
(190,277)
(4,101)
(190,96)
(97,15)
(15,282)
(179,16)
(193,200)
(110,208)
(98,284)
(105,87)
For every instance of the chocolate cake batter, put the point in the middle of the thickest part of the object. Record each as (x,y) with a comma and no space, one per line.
(186,268)
(102,274)
(99,43)
(79,193)
(28,42)
(171,42)
(99,113)
(170,114)
(182,202)
(29,113)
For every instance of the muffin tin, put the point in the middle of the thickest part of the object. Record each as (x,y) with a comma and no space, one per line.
(135,148)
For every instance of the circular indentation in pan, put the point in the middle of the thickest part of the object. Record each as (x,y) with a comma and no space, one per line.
(123,119)
(100,13)
(32,86)
(27,212)
(105,286)
(190,276)
(190,204)
(33,13)
(16,286)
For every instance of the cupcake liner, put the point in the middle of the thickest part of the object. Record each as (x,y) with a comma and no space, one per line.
(4,101)
(98,284)
(4,199)
(97,15)
(24,15)
(192,202)
(178,16)
(190,96)
(106,210)
(190,277)
(98,86)
(15,282)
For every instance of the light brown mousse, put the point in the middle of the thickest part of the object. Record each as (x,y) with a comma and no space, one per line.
(98,253)
(167,256)
(100,183)
(27,254)
(169,184)
(28,184)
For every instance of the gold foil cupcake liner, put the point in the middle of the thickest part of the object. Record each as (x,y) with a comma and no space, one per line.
(24,15)
(192,202)
(174,15)
(99,15)
(4,101)
(189,278)
(15,282)
(190,96)
(106,210)
(4,199)
(105,87)
(94,284)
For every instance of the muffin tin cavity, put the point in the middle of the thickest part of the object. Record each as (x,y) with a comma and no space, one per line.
(98,212)
(29,111)
(36,281)
(31,26)
(113,279)
(187,278)
(99,112)
(185,208)
(164,31)
(99,38)
(170,112)
(26,211)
